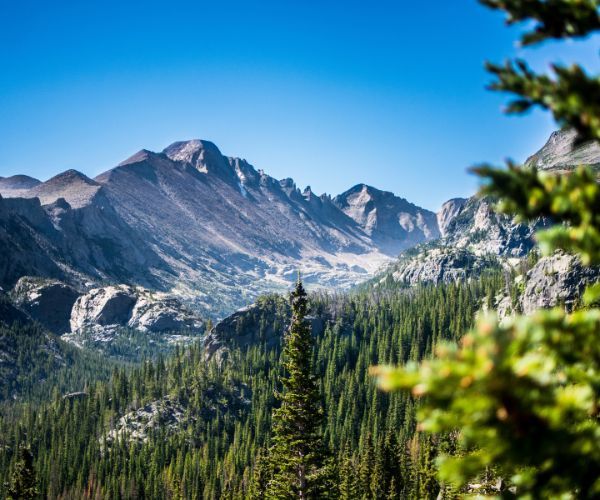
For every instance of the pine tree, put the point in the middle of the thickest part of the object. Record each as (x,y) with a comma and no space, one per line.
(260,477)
(298,456)
(23,484)
(524,391)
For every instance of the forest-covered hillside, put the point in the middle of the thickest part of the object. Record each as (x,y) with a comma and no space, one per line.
(193,425)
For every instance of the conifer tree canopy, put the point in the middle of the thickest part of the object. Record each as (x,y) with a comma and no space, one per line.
(23,484)
(298,455)
(522,395)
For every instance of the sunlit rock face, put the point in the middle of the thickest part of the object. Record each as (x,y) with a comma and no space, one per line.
(107,309)
(448,212)
(205,227)
(393,223)
(558,280)
(561,153)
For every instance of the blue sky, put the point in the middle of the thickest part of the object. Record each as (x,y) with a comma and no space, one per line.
(390,93)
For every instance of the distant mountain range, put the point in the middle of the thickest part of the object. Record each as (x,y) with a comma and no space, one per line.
(215,232)
(192,222)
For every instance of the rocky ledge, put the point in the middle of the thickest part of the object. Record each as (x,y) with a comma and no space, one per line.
(109,308)
(46,300)
(558,280)
(103,310)
(440,265)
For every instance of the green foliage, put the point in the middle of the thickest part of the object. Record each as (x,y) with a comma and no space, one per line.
(552,18)
(298,456)
(36,363)
(572,96)
(211,452)
(128,345)
(23,485)
(523,395)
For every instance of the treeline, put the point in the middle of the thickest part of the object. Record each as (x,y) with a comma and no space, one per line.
(207,421)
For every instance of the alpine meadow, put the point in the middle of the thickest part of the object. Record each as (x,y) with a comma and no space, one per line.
(184,325)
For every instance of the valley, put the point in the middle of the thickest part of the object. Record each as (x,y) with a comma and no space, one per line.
(139,368)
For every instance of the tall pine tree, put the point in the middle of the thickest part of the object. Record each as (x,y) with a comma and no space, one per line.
(298,456)
(23,484)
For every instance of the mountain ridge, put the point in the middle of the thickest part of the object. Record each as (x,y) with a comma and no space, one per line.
(213,229)
(216,232)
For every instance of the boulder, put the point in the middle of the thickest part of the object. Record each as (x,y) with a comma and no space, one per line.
(104,310)
(46,300)
(159,313)
(108,306)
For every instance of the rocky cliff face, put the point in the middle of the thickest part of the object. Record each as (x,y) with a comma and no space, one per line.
(483,231)
(558,280)
(475,237)
(392,223)
(449,211)
(29,243)
(561,154)
(103,311)
(440,265)
(46,300)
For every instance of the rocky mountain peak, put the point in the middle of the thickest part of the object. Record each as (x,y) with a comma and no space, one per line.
(561,153)
(245,172)
(391,221)
(209,228)
(76,188)
(203,155)
(18,182)
(68,177)
(448,212)
(140,156)
(288,185)
(356,201)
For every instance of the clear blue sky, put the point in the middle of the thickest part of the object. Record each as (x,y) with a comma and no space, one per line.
(390,93)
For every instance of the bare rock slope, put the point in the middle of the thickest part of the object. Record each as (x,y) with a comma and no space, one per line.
(558,280)
(475,238)
(104,310)
(208,228)
(48,301)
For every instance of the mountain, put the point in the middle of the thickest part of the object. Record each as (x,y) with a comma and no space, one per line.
(475,238)
(86,244)
(561,153)
(393,223)
(75,188)
(448,212)
(17,184)
(206,227)
(216,232)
